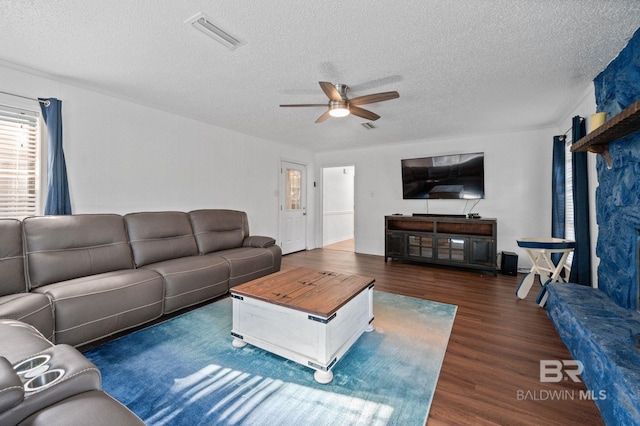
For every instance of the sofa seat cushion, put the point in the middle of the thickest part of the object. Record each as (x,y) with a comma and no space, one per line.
(248,263)
(20,340)
(94,407)
(191,280)
(32,308)
(96,306)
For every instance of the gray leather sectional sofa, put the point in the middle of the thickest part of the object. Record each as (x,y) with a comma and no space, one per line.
(69,280)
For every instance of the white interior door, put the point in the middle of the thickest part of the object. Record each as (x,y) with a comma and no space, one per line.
(293,207)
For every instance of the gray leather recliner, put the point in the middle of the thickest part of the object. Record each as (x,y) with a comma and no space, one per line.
(46,384)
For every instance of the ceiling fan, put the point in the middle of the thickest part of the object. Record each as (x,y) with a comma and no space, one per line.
(340,105)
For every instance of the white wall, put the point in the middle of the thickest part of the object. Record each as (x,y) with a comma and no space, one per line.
(337,204)
(517,185)
(124,157)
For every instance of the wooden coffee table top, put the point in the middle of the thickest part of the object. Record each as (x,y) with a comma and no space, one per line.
(319,293)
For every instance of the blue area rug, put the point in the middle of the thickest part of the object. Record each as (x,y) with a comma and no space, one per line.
(185,372)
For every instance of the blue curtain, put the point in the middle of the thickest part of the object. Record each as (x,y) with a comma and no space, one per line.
(558,194)
(58,200)
(581,266)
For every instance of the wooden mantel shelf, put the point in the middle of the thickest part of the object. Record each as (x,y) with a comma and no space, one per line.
(624,123)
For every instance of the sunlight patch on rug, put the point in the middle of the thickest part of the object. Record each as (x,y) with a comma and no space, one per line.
(249,402)
(185,371)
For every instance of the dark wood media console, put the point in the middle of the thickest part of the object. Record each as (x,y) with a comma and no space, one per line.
(442,240)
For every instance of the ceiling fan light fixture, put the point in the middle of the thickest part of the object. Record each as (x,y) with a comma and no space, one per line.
(340,105)
(338,109)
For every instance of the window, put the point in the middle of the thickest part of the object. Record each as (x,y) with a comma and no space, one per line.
(292,186)
(19,162)
(569,229)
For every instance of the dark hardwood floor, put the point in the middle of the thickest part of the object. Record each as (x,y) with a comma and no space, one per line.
(491,371)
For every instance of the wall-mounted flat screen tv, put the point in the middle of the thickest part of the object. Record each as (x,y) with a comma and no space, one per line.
(459,176)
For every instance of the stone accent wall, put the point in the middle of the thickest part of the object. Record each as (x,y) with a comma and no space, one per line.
(618,193)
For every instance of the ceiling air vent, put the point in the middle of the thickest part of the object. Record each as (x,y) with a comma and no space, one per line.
(201,22)
(369,126)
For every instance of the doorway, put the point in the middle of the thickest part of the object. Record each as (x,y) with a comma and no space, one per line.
(338,208)
(293,207)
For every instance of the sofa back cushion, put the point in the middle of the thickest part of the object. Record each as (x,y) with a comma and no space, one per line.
(158,236)
(219,229)
(60,248)
(11,258)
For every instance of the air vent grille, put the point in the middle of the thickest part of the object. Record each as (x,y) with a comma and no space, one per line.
(369,126)
(204,24)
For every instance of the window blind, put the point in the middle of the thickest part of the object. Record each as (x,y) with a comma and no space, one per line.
(19,165)
(569,228)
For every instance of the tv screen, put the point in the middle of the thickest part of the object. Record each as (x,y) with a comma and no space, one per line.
(459,176)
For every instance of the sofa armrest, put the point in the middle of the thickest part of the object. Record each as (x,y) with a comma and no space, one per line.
(258,241)
(11,388)
(78,375)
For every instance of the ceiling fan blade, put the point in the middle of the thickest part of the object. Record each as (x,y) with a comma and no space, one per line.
(370,85)
(323,117)
(373,98)
(361,112)
(331,91)
(303,105)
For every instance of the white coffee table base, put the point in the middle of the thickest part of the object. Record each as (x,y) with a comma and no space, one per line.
(314,341)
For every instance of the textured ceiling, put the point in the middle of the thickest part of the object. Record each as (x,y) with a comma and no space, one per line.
(461,68)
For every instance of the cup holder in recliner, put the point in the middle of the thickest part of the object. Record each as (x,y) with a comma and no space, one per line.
(30,364)
(44,380)
(37,374)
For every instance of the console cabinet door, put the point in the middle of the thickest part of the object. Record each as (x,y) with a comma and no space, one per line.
(482,251)
(395,244)
(420,246)
(452,249)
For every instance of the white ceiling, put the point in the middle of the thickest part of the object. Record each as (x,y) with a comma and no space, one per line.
(461,68)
